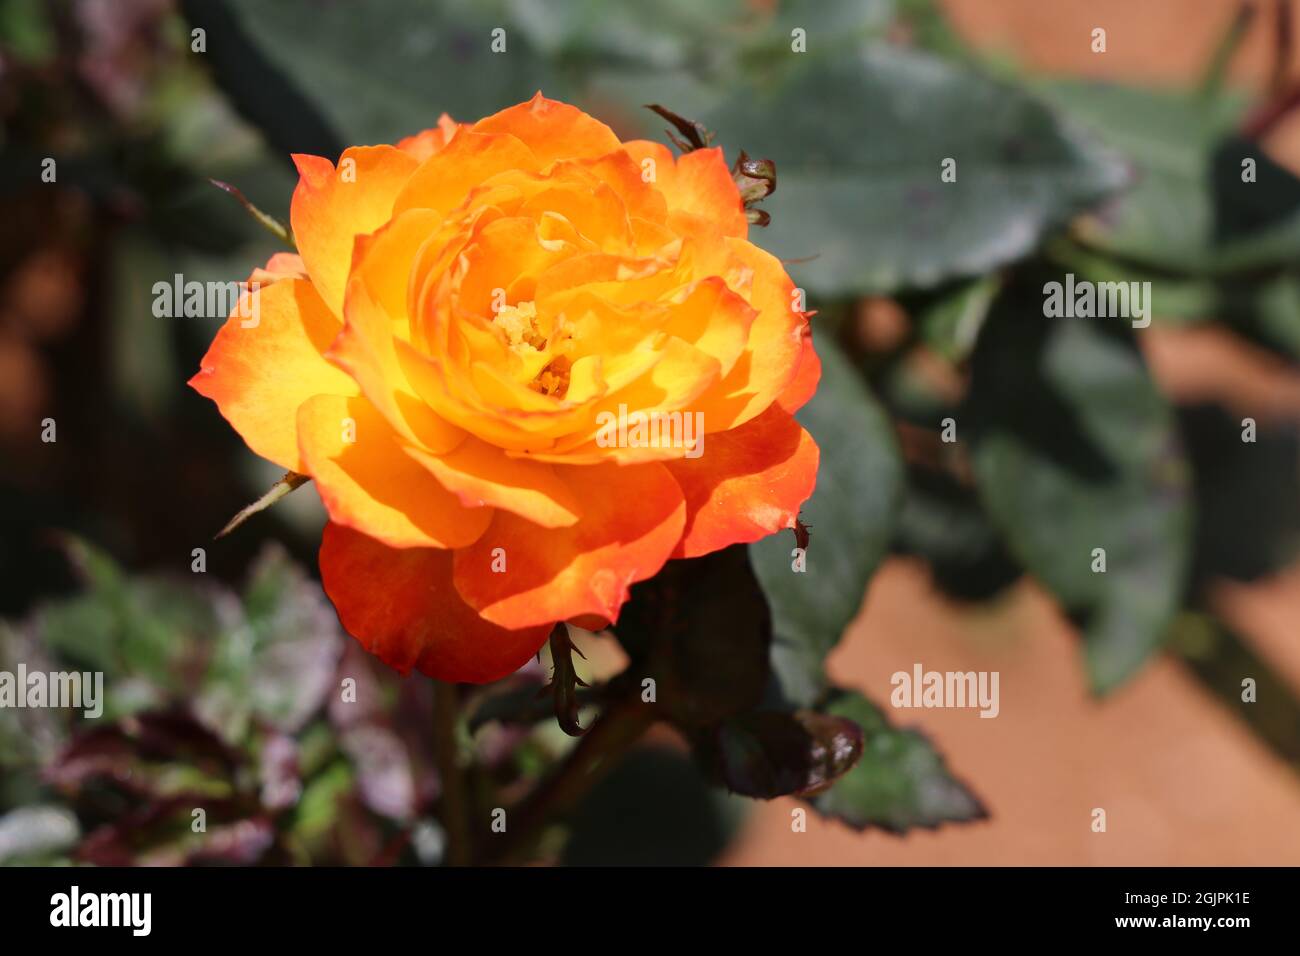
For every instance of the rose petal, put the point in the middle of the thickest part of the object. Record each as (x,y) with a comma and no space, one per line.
(776,341)
(259,375)
(375,306)
(481,474)
(632,518)
(443,181)
(750,482)
(402,606)
(368,483)
(552,130)
(424,144)
(806,377)
(331,207)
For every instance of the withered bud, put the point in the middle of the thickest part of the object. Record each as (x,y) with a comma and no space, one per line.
(694,135)
(756,178)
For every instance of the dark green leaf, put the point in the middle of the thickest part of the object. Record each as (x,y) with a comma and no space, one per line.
(865,196)
(900,782)
(1177,300)
(378,78)
(942,522)
(1261,307)
(687,35)
(1232,541)
(1075,449)
(1188,209)
(851,514)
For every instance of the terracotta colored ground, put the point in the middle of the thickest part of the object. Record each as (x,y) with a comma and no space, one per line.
(1181,778)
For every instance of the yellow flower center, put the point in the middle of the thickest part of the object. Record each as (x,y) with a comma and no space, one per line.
(519,322)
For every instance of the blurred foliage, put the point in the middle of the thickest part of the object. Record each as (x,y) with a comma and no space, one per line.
(1064,443)
(230,704)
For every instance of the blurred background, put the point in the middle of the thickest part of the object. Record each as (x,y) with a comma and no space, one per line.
(220,684)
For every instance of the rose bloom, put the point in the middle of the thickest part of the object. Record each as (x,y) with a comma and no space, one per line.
(467,313)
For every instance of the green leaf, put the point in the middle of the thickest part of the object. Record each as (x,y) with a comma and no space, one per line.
(686,35)
(774,753)
(1262,307)
(674,34)
(851,515)
(379,78)
(318,811)
(280,665)
(942,522)
(1176,300)
(26,30)
(1165,218)
(1265,311)
(1188,210)
(901,781)
(859,139)
(1075,449)
(129,628)
(1232,541)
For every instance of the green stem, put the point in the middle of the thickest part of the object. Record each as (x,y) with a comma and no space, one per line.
(455,804)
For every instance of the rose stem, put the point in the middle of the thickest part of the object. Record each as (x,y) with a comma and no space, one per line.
(455,809)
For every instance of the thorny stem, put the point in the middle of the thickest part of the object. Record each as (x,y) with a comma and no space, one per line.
(605,743)
(455,806)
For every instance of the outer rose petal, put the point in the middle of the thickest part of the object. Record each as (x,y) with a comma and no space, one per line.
(704,186)
(401,605)
(776,342)
(750,482)
(328,212)
(698,183)
(258,376)
(370,484)
(632,519)
(425,144)
(806,377)
(444,180)
(552,130)
(282,265)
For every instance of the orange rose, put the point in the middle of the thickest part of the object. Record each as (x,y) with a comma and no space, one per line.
(525,364)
